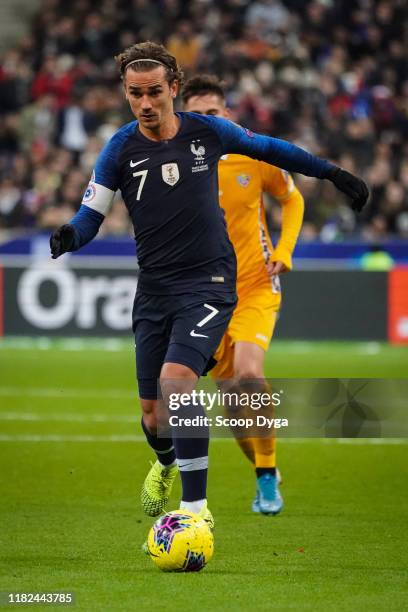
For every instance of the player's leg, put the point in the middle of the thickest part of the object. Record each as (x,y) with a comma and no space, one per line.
(224,371)
(197,330)
(190,444)
(251,328)
(249,365)
(151,345)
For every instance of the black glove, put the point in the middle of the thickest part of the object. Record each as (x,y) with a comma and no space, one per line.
(62,240)
(351,185)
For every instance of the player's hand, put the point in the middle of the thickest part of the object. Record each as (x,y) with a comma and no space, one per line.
(62,240)
(354,187)
(276,267)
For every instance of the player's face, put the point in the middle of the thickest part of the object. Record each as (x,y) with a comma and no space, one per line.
(150,96)
(208,104)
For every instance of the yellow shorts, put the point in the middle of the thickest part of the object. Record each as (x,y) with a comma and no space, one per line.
(253,321)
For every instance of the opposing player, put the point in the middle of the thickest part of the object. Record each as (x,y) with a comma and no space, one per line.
(241,353)
(165,165)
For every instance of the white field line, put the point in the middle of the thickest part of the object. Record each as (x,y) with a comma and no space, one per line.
(136,438)
(68,417)
(66,393)
(124,344)
(45,343)
(69,438)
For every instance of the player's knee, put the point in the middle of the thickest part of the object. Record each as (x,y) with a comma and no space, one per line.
(176,371)
(248,372)
(176,379)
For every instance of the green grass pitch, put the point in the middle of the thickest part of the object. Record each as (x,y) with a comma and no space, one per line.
(71,471)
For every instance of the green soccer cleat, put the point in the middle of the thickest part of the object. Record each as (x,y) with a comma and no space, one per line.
(157,488)
(207,516)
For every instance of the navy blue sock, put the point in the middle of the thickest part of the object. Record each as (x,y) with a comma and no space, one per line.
(163,447)
(191,446)
(262,471)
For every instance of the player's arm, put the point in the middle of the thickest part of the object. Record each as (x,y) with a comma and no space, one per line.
(96,204)
(236,139)
(279,184)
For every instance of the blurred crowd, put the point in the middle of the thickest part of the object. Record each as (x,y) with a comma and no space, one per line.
(329,75)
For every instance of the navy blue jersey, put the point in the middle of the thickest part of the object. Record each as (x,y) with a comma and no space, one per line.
(170,189)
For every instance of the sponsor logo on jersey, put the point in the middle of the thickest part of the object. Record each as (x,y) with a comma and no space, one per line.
(261,337)
(243,179)
(134,164)
(170,173)
(198,150)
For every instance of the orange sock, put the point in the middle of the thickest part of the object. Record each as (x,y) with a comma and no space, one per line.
(247,447)
(265,452)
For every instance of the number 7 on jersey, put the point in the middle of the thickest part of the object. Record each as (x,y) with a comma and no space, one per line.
(142,174)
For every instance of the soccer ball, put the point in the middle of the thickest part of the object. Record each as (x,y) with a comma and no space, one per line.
(180,541)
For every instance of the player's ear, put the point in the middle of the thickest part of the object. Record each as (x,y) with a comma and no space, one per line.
(174,87)
(227,113)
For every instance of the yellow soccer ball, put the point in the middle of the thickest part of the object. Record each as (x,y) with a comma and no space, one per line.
(180,541)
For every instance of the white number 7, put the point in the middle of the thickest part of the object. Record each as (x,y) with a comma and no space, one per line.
(143,174)
(212,314)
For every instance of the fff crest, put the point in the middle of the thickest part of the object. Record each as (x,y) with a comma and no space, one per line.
(197,150)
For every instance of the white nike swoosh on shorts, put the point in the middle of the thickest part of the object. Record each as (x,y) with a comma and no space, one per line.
(195,335)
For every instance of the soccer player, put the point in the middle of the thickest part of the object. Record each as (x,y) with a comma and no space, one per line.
(241,353)
(165,165)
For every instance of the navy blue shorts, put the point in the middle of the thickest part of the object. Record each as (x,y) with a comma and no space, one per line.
(185,329)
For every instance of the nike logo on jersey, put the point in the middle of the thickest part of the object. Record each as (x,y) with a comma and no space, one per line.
(133,164)
(195,335)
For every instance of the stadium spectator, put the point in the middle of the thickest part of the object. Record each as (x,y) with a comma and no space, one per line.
(330,76)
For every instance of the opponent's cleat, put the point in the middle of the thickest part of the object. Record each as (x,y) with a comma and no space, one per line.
(207,516)
(255,503)
(157,488)
(269,498)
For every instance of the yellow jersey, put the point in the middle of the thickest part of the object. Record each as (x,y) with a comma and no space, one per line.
(242,181)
